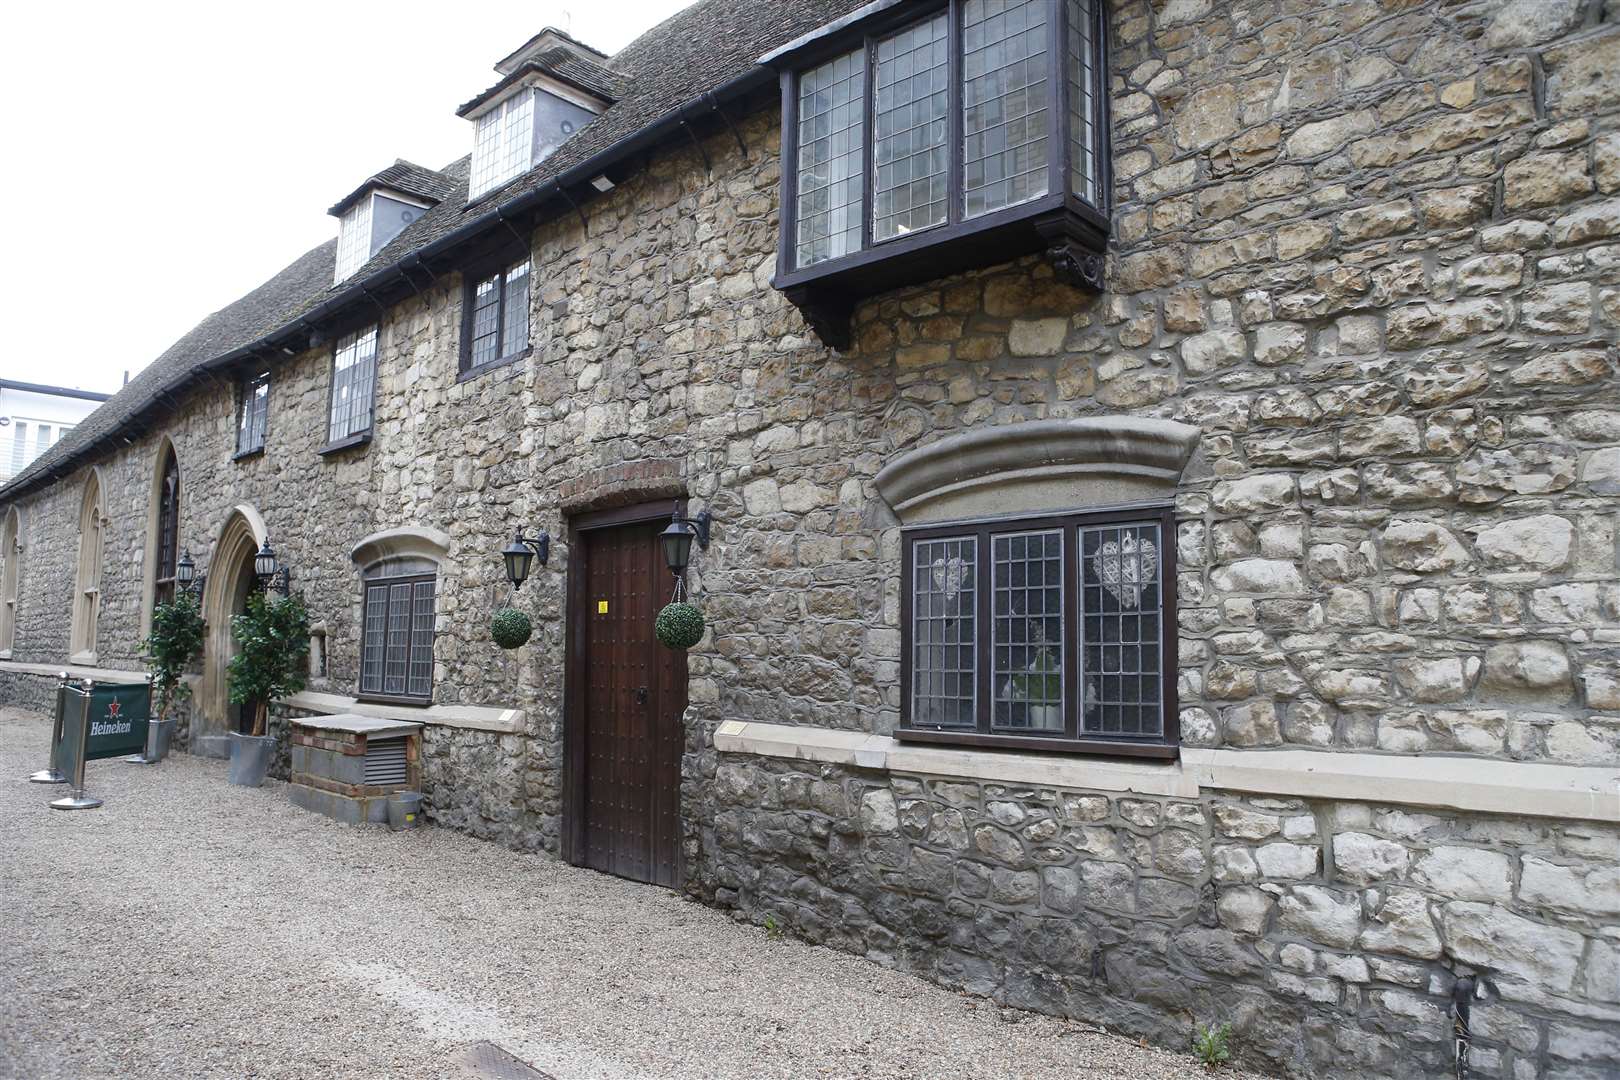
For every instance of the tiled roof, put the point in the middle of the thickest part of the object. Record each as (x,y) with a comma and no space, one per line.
(689,61)
(405,177)
(598,80)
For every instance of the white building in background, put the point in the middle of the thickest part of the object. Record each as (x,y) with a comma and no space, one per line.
(33,417)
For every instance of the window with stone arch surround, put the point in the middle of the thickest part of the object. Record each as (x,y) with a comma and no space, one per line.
(93,524)
(10,578)
(1038,585)
(400,570)
(168,527)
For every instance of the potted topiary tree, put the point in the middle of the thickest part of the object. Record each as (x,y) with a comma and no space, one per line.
(175,641)
(273,635)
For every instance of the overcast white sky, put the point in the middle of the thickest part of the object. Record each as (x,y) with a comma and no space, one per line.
(165,158)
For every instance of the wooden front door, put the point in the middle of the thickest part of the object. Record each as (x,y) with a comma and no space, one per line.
(630,694)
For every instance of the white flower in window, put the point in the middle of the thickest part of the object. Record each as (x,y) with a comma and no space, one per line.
(1126,567)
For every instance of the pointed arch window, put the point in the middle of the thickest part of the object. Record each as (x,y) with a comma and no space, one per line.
(168,548)
(87,580)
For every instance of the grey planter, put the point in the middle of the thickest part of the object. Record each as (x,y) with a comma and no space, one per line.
(159,734)
(251,756)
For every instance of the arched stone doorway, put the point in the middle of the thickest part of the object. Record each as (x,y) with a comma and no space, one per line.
(230,580)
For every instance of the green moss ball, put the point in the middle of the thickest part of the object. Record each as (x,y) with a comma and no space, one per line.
(679,626)
(510,628)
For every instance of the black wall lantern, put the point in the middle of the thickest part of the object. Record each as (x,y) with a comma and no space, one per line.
(186,576)
(270,573)
(520,553)
(677,539)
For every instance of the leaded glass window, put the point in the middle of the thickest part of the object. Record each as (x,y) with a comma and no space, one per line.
(498,316)
(396,648)
(832,101)
(253,414)
(910,96)
(503,143)
(944,619)
(1069,643)
(921,128)
(1004,119)
(354,238)
(168,532)
(354,378)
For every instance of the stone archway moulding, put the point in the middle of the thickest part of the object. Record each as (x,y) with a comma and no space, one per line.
(239,538)
(421,543)
(1036,466)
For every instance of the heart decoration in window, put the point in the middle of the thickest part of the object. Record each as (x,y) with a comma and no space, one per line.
(1126,567)
(948,575)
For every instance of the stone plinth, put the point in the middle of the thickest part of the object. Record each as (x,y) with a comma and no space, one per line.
(329,774)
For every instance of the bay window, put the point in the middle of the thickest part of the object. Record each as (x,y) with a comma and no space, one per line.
(921,146)
(1052,633)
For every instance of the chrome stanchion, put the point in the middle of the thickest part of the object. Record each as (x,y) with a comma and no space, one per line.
(142,757)
(49,774)
(79,800)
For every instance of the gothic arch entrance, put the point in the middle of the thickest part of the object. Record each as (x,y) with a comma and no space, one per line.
(230,580)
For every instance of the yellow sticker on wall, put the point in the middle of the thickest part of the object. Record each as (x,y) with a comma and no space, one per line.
(601,607)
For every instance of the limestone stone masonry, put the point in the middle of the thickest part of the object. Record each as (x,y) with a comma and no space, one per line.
(1370,249)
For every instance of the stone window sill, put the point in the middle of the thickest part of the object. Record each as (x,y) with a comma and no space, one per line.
(1575,792)
(1037,744)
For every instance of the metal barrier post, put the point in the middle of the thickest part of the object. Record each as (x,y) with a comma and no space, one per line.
(140,758)
(49,774)
(78,800)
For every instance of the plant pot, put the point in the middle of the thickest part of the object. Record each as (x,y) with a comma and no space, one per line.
(159,734)
(251,756)
(404,810)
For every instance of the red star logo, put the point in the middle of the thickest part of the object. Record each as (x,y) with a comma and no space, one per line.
(112,710)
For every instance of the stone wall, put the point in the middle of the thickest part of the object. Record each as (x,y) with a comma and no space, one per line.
(1370,250)
(1330,934)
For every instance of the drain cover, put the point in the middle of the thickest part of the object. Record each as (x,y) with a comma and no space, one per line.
(483,1060)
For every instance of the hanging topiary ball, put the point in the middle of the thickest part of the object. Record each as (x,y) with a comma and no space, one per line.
(510,628)
(679,625)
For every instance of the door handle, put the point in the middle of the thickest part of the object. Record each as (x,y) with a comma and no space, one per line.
(641,695)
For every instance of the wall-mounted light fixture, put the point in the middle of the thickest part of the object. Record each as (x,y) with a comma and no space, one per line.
(520,554)
(271,573)
(676,540)
(186,576)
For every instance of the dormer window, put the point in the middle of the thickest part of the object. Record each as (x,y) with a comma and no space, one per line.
(552,87)
(380,209)
(926,143)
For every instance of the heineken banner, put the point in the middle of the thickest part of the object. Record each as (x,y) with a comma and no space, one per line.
(118,714)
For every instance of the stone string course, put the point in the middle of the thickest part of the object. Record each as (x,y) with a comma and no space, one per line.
(1370,249)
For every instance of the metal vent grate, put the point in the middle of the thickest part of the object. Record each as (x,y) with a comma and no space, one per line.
(385,761)
(484,1060)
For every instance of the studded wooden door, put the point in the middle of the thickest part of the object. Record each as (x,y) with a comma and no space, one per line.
(634,696)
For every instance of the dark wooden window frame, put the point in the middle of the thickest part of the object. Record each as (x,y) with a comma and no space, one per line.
(488,267)
(168,530)
(367,583)
(1073,232)
(363,436)
(246,385)
(1072,740)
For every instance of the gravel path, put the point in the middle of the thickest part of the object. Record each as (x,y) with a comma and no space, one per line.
(194,929)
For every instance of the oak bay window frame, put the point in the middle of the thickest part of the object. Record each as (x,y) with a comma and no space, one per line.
(999,675)
(1070,220)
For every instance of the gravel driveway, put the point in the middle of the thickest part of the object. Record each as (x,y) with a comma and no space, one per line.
(193,929)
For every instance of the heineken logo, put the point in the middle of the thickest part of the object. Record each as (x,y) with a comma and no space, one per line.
(112,725)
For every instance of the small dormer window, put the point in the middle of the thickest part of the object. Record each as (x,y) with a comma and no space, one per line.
(354,238)
(504,145)
(551,87)
(380,209)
